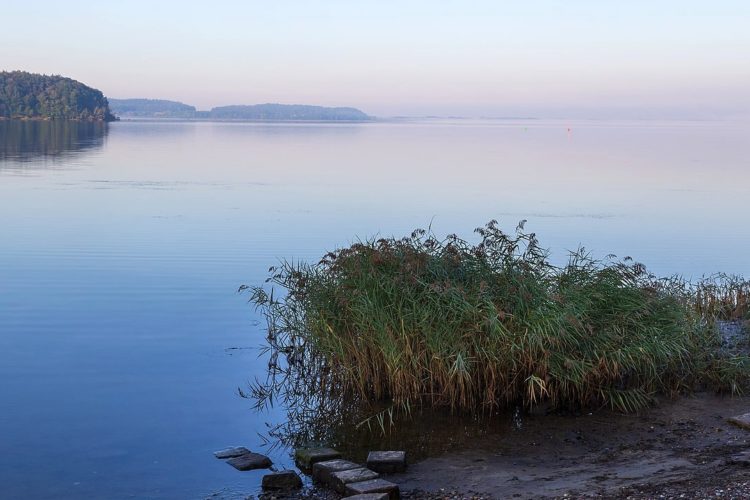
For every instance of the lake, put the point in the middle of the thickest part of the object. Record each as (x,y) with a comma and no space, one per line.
(123,339)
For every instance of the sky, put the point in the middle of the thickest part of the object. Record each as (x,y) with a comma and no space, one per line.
(535,58)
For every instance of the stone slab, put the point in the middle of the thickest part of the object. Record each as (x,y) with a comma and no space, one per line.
(321,471)
(306,457)
(282,481)
(374,486)
(368,496)
(741,421)
(250,461)
(387,461)
(340,479)
(232,452)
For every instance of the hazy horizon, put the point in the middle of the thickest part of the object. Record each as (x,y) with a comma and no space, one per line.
(686,60)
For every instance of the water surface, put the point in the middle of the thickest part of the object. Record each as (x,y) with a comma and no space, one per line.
(122,247)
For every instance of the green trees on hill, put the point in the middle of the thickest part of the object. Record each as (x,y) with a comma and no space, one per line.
(158,108)
(32,96)
(276,112)
(151,108)
(51,97)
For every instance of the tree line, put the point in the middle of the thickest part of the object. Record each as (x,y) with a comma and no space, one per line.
(33,96)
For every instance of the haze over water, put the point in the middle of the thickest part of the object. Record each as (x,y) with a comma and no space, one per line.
(122,248)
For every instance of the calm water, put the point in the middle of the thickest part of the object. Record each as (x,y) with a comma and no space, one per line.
(122,247)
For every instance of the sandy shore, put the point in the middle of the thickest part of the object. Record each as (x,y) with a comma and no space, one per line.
(681,447)
(677,449)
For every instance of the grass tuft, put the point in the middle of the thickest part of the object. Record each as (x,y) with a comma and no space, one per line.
(446,323)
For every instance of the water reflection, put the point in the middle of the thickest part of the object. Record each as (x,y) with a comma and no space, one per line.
(317,413)
(120,256)
(26,141)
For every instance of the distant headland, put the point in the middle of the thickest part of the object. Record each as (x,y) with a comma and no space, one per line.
(163,109)
(29,96)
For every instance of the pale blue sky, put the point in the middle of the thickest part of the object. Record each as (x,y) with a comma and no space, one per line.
(530,58)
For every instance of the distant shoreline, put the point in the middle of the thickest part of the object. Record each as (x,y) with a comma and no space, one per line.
(159,108)
(52,119)
(233,120)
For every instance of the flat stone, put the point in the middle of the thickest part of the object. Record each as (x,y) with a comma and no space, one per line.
(741,421)
(340,479)
(250,461)
(321,471)
(306,457)
(231,452)
(284,480)
(387,461)
(368,496)
(373,486)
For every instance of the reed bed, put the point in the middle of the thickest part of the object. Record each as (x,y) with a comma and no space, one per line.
(722,296)
(447,323)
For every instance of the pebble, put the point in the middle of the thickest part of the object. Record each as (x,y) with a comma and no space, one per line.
(741,421)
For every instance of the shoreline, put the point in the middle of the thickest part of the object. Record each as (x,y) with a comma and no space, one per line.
(683,448)
(51,119)
(604,454)
(234,120)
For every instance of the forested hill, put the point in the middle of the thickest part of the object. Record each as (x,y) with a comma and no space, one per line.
(32,96)
(158,108)
(151,108)
(273,112)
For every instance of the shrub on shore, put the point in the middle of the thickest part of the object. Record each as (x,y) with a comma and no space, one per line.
(481,326)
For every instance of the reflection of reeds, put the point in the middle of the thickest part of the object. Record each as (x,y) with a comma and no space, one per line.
(444,323)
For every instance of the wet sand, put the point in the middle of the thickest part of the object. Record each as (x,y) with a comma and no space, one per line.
(677,447)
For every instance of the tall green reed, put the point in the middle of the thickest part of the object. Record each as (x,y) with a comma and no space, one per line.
(447,323)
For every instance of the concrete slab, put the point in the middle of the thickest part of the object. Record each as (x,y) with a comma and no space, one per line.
(387,461)
(282,481)
(340,479)
(374,486)
(306,457)
(321,471)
